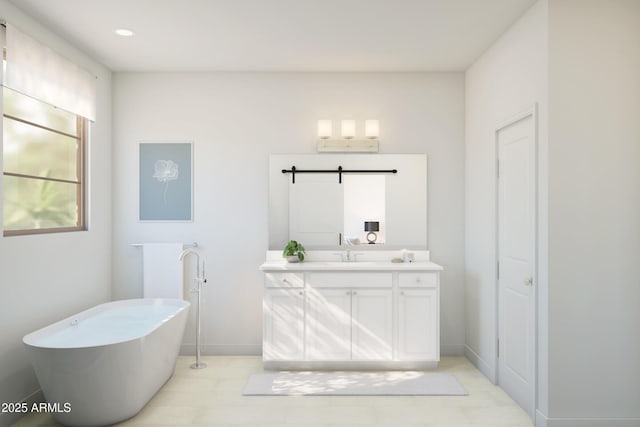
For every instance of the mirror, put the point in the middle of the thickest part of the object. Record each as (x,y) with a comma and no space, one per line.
(388,210)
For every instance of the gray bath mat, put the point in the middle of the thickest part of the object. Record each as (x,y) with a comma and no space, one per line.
(405,383)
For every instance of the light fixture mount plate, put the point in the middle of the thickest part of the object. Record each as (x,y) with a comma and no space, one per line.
(347,146)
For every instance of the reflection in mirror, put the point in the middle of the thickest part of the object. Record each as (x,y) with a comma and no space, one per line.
(364,201)
(316,210)
(321,213)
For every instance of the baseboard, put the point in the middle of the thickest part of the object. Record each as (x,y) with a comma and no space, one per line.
(10,418)
(590,422)
(540,419)
(256,350)
(452,350)
(223,350)
(480,363)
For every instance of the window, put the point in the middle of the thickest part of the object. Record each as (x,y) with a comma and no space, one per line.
(47,104)
(44,167)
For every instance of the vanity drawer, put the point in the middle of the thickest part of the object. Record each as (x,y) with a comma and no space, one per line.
(351,280)
(418,280)
(284,280)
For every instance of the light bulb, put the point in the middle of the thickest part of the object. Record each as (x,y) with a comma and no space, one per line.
(348,129)
(324,129)
(371,129)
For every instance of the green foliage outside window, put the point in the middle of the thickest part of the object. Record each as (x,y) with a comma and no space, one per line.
(42,166)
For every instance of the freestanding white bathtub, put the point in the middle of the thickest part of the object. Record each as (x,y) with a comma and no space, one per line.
(104,364)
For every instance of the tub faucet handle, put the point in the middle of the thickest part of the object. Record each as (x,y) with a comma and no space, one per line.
(204,276)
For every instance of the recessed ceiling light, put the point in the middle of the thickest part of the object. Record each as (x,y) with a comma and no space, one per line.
(124,32)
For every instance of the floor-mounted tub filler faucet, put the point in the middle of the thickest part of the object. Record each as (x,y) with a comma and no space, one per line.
(199,280)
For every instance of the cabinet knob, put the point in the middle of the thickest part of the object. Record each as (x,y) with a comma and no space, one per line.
(528,281)
(418,279)
(348,292)
(401,292)
(285,281)
(354,293)
(301,293)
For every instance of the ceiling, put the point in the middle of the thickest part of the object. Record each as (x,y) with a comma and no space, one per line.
(280,35)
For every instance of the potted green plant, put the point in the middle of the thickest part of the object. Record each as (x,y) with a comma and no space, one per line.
(293,252)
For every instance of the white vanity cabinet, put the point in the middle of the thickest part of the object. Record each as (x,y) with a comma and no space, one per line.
(349,324)
(418,323)
(283,314)
(351,315)
(328,320)
(372,324)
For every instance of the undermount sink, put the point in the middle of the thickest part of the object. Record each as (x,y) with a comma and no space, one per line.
(332,263)
(344,264)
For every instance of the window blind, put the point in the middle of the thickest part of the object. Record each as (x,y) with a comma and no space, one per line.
(37,71)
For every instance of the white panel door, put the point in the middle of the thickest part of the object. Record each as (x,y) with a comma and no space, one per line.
(516,262)
(328,324)
(372,324)
(418,328)
(316,210)
(283,324)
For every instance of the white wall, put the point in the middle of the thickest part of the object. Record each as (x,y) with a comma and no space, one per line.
(236,120)
(45,278)
(507,79)
(580,61)
(594,212)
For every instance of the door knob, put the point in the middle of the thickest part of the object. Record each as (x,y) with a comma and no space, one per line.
(528,281)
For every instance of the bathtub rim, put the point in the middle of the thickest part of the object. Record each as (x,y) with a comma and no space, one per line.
(31,339)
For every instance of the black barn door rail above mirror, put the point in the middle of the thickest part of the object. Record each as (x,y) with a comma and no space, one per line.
(293,171)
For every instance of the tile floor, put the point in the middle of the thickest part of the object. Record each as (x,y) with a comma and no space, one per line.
(213,397)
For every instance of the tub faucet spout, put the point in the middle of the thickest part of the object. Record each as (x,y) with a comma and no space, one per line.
(188,251)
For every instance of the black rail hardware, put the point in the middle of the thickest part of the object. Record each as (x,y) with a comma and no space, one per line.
(293,171)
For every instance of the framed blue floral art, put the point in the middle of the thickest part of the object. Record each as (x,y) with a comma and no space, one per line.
(166,181)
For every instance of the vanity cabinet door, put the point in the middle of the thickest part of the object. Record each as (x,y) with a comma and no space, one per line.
(372,324)
(418,329)
(328,324)
(283,313)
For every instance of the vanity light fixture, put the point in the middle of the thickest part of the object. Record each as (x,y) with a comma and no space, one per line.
(348,143)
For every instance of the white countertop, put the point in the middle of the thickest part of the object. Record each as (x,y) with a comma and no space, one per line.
(282,265)
(365,261)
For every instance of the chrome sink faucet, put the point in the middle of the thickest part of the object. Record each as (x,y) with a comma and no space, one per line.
(347,255)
